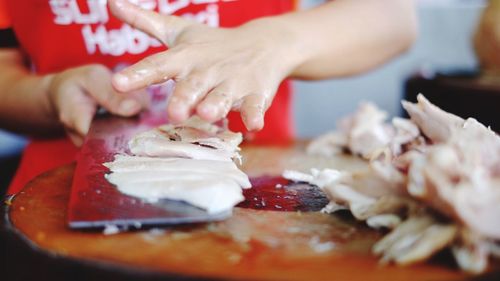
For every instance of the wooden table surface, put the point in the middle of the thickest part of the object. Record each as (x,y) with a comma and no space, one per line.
(251,245)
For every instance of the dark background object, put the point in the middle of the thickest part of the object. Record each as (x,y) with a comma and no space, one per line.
(8,38)
(8,166)
(465,93)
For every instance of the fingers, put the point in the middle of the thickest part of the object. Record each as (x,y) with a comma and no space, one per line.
(252,111)
(151,70)
(187,94)
(216,104)
(77,115)
(98,85)
(165,28)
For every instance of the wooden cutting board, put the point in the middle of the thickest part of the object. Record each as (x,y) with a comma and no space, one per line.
(263,240)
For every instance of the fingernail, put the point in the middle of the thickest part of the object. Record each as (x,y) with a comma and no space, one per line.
(129,106)
(253,123)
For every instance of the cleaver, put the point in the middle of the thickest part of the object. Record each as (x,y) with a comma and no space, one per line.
(96,203)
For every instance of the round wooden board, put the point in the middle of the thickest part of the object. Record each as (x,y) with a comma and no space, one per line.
(251,245)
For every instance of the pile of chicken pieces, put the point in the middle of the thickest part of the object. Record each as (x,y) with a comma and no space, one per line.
(433,181)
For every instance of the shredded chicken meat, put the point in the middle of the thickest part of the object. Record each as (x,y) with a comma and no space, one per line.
(434,181)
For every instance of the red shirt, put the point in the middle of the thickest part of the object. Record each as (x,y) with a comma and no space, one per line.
(59,34)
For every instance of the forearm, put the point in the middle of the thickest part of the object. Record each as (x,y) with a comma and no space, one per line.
(346,37)
(24,103)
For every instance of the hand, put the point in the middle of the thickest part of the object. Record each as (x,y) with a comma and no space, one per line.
(216,69)
(76,93)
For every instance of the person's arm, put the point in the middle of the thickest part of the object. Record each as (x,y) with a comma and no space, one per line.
(24,103)
(347,37)
(219,69)
(44,105)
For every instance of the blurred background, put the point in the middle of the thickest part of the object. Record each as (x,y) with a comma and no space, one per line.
(444,43)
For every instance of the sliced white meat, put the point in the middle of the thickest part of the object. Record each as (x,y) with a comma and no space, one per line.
(211,185)
(126,163)
(152,175)
(191,162)
(156,147)
(194,139)
(225,140)
(210,193)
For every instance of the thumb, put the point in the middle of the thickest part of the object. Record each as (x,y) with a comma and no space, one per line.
(76,115)
(82,116)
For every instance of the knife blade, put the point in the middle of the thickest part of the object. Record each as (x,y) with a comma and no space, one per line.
(96,203)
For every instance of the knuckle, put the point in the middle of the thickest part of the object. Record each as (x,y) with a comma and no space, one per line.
(151,61)
(192,85)
(180,49)
(196,81)
(61,85)
(97,70)
(223,97)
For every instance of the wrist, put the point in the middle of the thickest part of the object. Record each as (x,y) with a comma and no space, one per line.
(286,44)
(47,101)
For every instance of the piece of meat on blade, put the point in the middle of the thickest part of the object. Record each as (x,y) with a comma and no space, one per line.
(191,162)
(156,147)
(127,163)
(194,139)
(213,194)
(130,169)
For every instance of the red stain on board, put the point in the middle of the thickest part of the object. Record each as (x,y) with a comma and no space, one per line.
(280,194)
